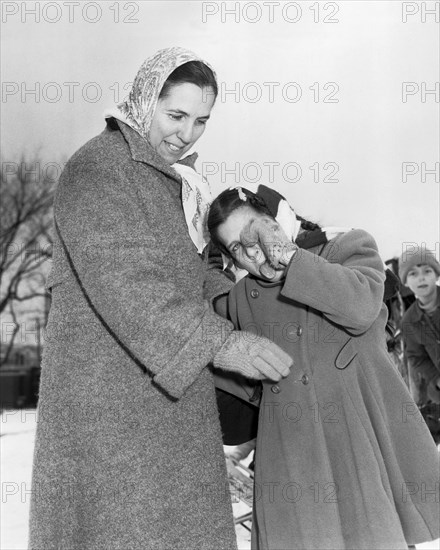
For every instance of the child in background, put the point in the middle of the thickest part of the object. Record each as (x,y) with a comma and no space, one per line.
(342,451)
(420,271)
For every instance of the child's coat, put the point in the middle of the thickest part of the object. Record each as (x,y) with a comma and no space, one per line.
(344,459)
(422,348)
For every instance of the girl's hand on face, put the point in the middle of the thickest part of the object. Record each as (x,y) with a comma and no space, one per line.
(276,246)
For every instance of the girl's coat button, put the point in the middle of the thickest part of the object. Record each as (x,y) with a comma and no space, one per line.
(305,379)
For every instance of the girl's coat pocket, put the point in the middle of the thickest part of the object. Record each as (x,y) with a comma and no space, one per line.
(346,355)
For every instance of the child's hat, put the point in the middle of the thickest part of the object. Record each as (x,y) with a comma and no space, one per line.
(421,256)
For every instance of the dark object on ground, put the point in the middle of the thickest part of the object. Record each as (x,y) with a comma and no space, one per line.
(238,419)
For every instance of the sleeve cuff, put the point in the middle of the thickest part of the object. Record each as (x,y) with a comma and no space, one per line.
(199,350)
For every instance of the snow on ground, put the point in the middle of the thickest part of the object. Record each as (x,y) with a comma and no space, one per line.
(17,429)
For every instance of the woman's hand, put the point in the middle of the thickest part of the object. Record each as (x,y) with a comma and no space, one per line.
(253,356)
(276,246)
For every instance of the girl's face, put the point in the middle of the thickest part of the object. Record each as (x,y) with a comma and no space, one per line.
(246,255)
(179,120)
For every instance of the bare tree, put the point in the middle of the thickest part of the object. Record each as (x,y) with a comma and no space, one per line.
(26,189)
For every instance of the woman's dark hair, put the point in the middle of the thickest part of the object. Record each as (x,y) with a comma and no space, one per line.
(223,206)
(193,72)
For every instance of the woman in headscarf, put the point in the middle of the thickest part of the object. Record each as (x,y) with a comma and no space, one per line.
(128,451)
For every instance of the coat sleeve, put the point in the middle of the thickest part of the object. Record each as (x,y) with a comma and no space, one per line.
(132,277)
(345,283)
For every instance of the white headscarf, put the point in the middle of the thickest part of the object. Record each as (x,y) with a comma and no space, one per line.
(137,111)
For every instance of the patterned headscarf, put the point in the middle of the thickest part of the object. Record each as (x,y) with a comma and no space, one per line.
(138,111)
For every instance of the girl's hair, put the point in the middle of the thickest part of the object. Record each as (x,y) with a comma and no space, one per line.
(193,72)
(307,224)
(223,206)
(233,199)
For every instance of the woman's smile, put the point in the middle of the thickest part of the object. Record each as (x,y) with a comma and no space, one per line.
(173,147)
(172,150)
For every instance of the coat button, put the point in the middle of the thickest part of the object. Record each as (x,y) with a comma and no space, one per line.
(299,331)
(305,379)
(275,389)
(254,293)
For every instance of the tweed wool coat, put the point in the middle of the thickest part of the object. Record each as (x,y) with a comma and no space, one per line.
(343,457)
(124,459)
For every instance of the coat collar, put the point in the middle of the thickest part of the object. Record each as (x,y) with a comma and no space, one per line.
(141,151)
(418,312)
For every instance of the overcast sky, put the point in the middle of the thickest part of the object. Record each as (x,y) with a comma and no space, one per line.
(335,104)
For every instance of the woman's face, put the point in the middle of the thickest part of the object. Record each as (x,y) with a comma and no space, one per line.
(179,120)
(246,255)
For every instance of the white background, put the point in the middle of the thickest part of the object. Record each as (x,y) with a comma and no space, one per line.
(363,50)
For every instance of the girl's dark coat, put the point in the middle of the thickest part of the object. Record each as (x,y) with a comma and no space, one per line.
(343,459)
(124,459)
